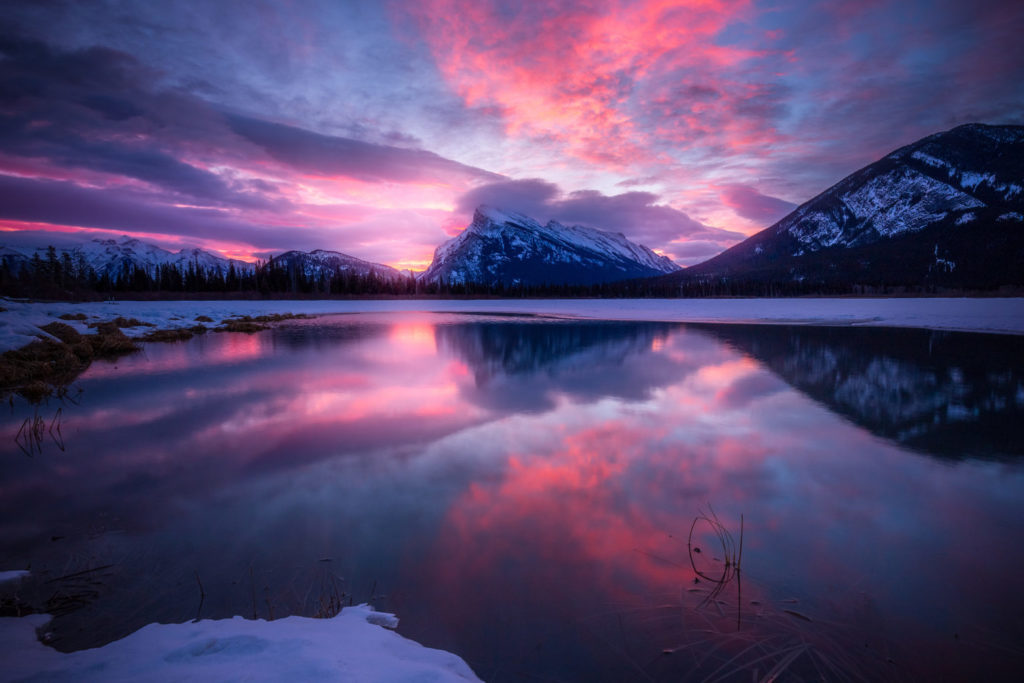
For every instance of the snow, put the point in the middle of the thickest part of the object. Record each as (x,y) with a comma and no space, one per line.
(468,255)
(349,647)
(19,324)
(971,179)
(13,575)
(906,200)
(1012,216)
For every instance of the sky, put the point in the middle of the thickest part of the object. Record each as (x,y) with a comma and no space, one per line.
(375,128)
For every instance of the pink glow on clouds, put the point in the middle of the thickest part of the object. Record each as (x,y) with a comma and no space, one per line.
(568,73)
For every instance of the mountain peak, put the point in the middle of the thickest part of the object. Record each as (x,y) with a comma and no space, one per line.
(486,214)
(509,248)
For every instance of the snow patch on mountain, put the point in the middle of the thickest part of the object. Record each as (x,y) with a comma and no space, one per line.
(506,247)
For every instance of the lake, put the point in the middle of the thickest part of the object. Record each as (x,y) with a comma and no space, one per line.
(547,498)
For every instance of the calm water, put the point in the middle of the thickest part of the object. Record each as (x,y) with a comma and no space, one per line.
(520,491)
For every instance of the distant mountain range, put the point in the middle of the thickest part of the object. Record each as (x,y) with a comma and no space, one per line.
(505,248)
(946,210)
(115,258)
(109,257)
(319,263)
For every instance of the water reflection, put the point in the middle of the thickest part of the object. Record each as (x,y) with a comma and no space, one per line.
(948,394)
(519,491)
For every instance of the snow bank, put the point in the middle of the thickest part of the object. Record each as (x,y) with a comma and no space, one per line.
(348,647)
(13,575)
(19,323)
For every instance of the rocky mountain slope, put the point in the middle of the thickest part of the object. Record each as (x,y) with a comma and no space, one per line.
(946,210)
(506,248)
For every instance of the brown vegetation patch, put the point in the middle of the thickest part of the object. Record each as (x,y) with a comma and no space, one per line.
(247,326)
(65,333)
(204,319)
(124,322)
(37,370)
(109,341)
(174,335)
(73,316)
(250,323)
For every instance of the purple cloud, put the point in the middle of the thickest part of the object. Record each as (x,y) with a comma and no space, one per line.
(749,203)
(329,155)
(635,214)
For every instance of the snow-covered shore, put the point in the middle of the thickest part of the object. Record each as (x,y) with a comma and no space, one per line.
(19,323)
(353,646)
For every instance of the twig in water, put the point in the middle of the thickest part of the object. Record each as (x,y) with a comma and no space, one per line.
(202,597)
(58,438)
(732,558)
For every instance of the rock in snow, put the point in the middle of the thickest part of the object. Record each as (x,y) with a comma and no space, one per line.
(349,647)
(502,247)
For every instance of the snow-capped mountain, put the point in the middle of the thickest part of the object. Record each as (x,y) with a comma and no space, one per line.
(501,247)
(948,209)
(110,257)
(321,263)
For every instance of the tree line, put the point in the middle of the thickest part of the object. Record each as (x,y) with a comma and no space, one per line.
(67,276)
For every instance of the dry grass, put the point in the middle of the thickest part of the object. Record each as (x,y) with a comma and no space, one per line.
(246,326)
(45,366)
(73,316)
(120,321)
(174,334)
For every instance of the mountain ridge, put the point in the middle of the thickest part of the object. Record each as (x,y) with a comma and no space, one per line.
(938,211)
(506,248)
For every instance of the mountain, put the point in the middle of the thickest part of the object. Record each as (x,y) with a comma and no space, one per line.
(320,263)
(507,248)
(947,210)
(110,257)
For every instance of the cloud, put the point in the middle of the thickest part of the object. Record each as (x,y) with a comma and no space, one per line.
(638,215)
(328,155)
(749,203)
(63,203)
(89,138)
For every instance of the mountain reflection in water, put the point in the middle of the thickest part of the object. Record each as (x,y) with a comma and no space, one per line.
(519,491)
(947,394)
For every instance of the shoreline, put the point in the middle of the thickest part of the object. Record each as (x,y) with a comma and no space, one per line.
(46,345)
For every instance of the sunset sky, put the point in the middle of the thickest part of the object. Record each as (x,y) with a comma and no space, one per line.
(374,128)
